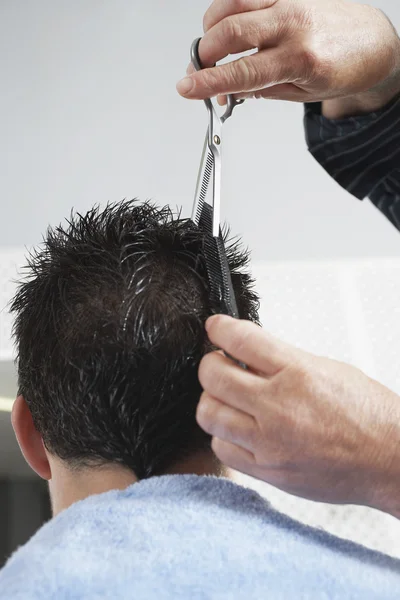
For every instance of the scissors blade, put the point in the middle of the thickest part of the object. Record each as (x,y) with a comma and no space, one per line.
(216,194)
(203,180)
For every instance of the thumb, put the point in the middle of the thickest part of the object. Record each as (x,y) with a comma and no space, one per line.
(247,74)
(233,77)
(247,342)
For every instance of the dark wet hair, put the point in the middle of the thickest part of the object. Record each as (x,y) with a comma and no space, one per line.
(109,330)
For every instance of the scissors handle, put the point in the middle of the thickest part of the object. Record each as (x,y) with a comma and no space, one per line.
(231,101)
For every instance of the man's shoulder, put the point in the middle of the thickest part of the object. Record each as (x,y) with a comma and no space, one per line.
(167,535)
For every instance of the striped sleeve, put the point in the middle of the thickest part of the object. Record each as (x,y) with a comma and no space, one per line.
(361,153)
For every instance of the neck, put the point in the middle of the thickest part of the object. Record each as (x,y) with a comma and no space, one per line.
(205,463)
(68,486)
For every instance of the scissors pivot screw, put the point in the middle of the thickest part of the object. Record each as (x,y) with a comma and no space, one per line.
(217,140)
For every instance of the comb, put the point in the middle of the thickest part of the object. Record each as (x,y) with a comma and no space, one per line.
(218,273)
(219,277)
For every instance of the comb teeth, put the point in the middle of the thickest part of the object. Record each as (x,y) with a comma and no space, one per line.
(204,186)
(205,221)
(220,281)
(219,276)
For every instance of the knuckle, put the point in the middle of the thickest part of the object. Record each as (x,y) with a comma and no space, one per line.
(316,64)
(235,7)
(230,29)
(207,22)
(209,79)
(220,384)
(302,376)
(247,76)
(222,429)
(309,58)
(206,369)
(212,375)
(223,452)
(242,338)
(239,6)
(218,448)
(206,411)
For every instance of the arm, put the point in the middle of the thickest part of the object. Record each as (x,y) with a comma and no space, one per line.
(357,141)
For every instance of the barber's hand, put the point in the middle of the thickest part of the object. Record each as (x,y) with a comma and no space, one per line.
(308,50)
(311,426)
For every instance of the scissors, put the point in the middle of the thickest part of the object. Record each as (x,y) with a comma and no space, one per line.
(211,158)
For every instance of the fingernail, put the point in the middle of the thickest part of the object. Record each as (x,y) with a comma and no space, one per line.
(185,85)
(190,70)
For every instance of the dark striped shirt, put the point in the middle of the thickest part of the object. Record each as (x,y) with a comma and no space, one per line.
(361,153)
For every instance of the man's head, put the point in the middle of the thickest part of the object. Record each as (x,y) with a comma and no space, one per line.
(110,331)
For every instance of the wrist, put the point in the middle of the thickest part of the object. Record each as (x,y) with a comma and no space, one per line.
(387,494)
(388,499)
(384,491)
(360,104)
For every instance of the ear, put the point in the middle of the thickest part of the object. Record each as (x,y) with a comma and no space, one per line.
(29,439)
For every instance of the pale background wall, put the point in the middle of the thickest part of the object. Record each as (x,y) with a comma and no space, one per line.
(89,113)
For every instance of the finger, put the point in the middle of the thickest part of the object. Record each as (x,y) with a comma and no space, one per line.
(241,96)
(227,382)
(247,74)
(225,422)
(233,456)
(222,100)
(220,9)
(248,343)
(240,33)
(245,96)
(286,91)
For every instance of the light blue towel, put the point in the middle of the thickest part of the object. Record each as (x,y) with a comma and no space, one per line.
(184,536)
